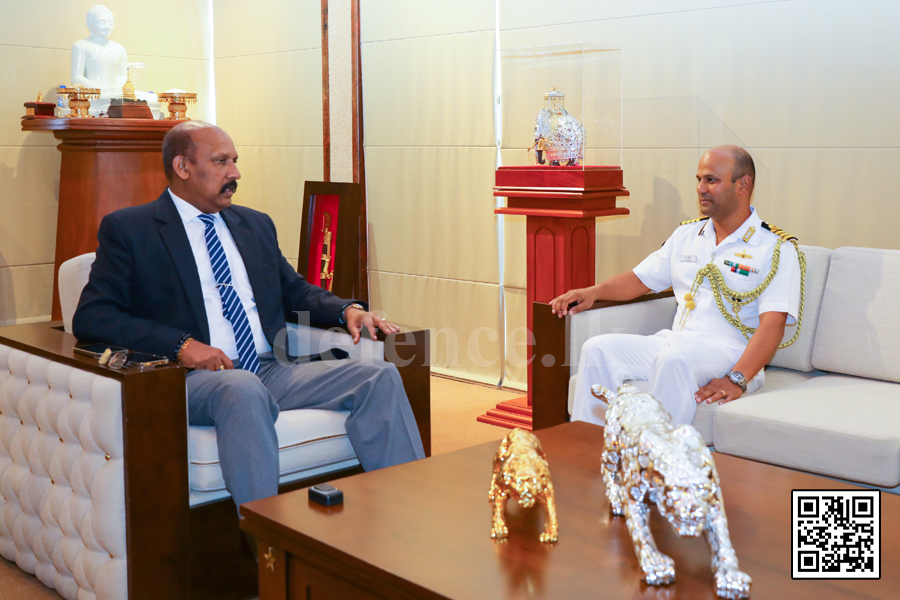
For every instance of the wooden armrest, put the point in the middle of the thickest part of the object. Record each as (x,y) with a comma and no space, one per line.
(645,298)
(411,352)
(550,369)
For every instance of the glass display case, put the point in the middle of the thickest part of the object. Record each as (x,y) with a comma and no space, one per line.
(561,105)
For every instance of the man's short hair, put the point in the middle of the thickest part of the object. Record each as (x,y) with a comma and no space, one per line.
(179,142)
(743,165)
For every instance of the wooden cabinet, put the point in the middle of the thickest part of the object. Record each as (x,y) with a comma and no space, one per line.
(107,164)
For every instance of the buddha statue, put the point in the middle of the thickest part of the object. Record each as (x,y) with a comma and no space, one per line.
(99,62)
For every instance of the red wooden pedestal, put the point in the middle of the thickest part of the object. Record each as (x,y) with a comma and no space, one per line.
(561,205)
(107,164)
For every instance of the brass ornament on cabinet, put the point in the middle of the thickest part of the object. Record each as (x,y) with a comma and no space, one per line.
(270,559)
(79,100)
(178,102)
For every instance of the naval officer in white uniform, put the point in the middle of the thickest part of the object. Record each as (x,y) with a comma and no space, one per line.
(704,357)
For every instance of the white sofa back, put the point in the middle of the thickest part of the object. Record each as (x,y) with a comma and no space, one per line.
(798,356)
(858,331)
(73,276)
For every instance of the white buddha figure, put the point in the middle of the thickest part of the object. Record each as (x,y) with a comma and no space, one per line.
(99,62)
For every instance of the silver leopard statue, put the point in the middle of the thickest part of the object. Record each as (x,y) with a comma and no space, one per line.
(648,460)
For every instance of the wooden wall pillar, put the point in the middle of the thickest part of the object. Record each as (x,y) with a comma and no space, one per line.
(342,106)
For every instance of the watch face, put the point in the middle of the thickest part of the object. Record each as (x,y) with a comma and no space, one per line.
(738,379)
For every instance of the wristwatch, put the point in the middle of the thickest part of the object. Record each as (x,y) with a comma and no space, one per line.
(738,379)
(351,305)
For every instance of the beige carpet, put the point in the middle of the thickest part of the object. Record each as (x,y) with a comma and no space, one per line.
(454,407)
(18,585)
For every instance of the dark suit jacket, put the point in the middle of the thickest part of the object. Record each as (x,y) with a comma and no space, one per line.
(144,288)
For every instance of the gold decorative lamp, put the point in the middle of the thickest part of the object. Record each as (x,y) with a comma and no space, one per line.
(79,100)
(178,102)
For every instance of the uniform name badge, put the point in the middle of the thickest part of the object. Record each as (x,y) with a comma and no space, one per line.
(688,258)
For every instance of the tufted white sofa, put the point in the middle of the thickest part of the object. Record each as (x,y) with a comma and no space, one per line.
(830,403)
(105,492)
(62,511)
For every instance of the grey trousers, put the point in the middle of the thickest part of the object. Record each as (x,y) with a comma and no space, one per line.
(244,407)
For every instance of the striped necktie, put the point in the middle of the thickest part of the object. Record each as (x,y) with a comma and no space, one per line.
(231,303)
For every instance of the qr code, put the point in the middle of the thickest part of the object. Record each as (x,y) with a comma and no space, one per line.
(836,534)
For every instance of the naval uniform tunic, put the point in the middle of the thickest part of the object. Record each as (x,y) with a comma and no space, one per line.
(702,345)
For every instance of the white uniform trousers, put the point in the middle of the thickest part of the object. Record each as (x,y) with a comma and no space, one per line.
(676,364)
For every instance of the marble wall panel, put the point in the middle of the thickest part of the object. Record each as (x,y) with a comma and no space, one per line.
(25,71)
(429,91)
(271,99)
(166,28)
(464,318)
(517,338)
(268,26)
(431,212)
(792,74)
(517,14)
(399,19)
(25,294)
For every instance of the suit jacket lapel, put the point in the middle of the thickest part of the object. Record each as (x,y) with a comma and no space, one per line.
(176,240)
(243,239)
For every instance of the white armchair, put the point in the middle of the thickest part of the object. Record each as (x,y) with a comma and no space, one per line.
(105,492)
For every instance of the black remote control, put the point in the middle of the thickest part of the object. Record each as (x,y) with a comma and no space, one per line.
(326,495)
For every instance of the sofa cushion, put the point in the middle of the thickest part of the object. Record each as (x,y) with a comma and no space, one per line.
(859,323)
(834,425)
(307,439)
(776,378)
(798,355)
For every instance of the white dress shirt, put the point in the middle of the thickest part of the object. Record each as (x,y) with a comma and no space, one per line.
(693,246)
(221,335)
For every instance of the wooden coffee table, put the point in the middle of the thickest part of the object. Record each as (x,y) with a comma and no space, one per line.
(422,530)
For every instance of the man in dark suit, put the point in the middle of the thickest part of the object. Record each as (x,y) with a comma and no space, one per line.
(194,278)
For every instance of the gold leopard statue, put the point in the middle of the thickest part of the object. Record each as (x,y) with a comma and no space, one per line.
(648,460)
(521,473)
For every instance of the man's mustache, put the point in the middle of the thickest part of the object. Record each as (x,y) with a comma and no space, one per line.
(231,185)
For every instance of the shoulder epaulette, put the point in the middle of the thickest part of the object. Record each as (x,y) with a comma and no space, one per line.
(694,221)
(780,232)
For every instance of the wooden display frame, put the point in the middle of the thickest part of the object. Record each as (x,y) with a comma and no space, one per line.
(348,229)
